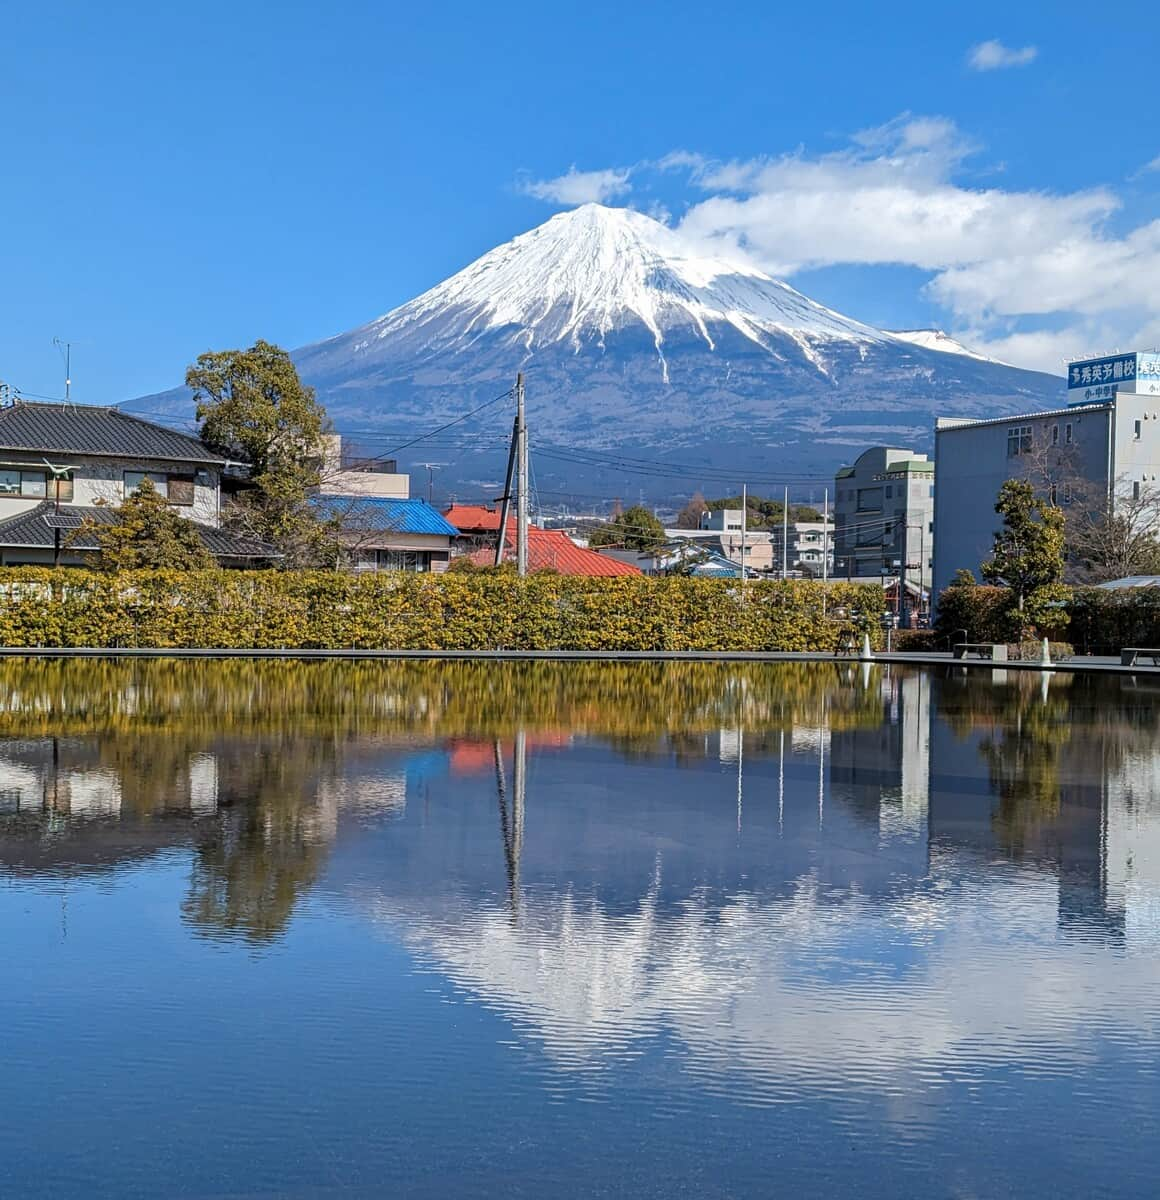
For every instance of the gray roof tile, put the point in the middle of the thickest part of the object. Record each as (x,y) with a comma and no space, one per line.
(84,429)
(30,530)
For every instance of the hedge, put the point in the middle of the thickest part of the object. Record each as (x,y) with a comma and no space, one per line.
(1103,622)
(397,610)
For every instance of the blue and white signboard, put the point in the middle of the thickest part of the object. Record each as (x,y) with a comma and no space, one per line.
(1100,378)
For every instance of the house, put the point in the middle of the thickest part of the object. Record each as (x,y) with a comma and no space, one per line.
(477,526)
(66,466)
(385,534)
(553,550)
(1100,450)
(382,526)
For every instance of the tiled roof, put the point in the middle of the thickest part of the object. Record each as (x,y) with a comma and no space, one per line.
(551,550)
(381,514)
(473,518)
(30,530)
(89,430)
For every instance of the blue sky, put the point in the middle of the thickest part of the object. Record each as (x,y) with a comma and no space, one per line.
(181,178)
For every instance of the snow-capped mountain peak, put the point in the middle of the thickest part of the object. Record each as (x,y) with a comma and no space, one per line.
(595,269)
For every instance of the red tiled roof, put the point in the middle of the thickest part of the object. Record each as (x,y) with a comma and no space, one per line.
(475,518)
(550,549)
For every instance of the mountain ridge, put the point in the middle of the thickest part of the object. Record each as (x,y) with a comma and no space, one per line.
(637,344)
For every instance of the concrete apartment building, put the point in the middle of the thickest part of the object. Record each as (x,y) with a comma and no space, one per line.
(726,524)
(1103,444)
(884,516)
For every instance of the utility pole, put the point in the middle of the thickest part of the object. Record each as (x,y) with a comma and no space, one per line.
(522,482)
(506,498)
(744,530)
(431,469)
(825,547)
(785,537)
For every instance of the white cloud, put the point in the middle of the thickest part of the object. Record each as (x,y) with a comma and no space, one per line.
(580,187)
(994,56)
(1028,276)
(1154,165)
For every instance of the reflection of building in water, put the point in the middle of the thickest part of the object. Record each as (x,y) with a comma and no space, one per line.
(883,771)
(68,776)
(1132,848)
(1061,792)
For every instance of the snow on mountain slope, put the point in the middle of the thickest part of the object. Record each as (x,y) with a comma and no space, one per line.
(935,339)
(593,270)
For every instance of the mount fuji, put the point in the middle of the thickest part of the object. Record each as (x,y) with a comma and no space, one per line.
(649,367)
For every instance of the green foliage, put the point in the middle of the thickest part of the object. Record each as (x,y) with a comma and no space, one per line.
(635,529)
(253,408)
(985,613)
(1103,622)
(963,578)
(765,514)
(148,535)
(399,610)
(1028,550)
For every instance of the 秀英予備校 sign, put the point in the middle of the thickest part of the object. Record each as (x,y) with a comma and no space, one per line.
(1113,370)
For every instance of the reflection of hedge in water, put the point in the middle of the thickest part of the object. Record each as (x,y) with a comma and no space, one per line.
(342,699)
(398,610)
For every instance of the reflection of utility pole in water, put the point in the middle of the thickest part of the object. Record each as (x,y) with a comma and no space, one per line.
(511,822)
(740,756)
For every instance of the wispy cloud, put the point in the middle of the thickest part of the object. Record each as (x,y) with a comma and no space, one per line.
(1154,165)
(580,187)
(1029,276)
(994,56)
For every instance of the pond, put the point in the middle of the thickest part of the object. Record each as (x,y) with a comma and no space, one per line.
(327,929)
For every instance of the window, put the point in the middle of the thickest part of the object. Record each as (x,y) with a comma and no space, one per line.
(1136,490)
(1055,435)
(61,489)
(1139,429)
(180,490)
(890,493)
(403,560)
(1019,440)
(31,484)
(869,499)
(1067,433)
(134,479)
(1067,493)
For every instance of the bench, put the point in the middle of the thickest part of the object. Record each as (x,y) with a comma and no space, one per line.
(995,651)
(1129,654)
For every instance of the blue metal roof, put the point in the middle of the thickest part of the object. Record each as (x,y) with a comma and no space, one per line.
(383,515)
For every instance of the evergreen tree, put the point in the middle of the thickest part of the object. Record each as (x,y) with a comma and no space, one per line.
(253,408)
(148,534)
(1028,552)
(635,529)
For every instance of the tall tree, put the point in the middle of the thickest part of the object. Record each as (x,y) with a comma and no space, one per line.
(1028,551)
(690,516)
(252,407)
(1113,542)
(148,534)
(635,529)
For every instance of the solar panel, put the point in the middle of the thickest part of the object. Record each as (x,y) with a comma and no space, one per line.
(62,520)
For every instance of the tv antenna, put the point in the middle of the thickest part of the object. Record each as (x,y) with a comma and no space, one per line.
(431,469)
(65,350)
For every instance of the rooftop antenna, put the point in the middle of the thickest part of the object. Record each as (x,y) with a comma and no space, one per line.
(431,469)
(65,349)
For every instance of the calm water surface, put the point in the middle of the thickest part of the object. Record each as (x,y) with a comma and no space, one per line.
(327,929)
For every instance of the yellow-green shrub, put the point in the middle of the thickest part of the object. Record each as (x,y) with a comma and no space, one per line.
(456,611)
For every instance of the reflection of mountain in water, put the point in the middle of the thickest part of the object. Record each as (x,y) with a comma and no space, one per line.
(636,866)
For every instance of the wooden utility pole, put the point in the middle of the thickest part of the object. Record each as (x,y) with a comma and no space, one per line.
(785,537)
(522,482)
(506,498)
